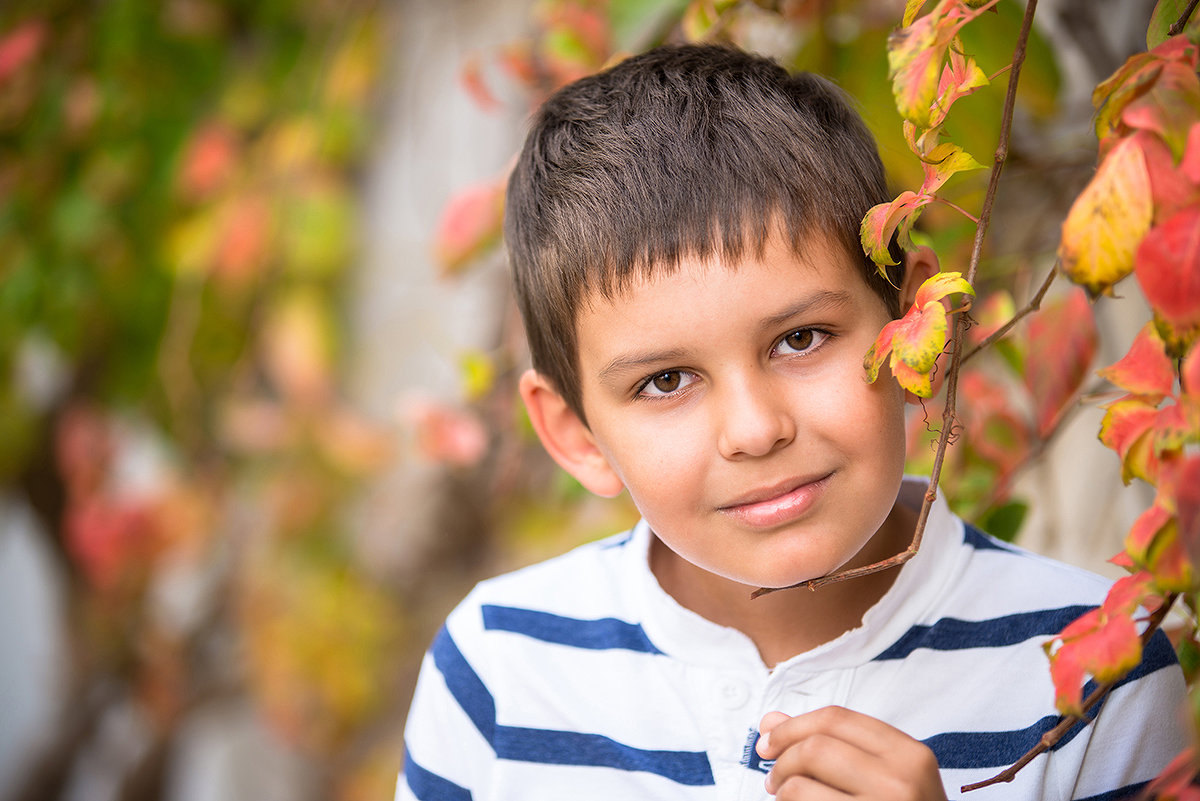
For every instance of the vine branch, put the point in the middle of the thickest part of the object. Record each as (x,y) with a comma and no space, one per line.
(1051,738)
(960,327)
(1178,25)
(1033,305)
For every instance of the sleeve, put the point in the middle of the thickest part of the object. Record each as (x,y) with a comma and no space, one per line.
(1140,728)
(448,751)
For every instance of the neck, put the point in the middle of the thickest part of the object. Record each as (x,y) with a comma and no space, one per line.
(786,623)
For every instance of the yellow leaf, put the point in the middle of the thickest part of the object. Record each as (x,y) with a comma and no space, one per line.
(1108,221)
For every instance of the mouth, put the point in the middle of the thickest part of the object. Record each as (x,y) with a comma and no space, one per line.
(781,503)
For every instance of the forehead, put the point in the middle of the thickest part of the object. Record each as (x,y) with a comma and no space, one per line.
(701,305)
(819,263)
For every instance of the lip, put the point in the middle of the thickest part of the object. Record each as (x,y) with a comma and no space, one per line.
(777,504)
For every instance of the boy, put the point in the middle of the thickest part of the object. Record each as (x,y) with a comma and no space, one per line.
(683,231)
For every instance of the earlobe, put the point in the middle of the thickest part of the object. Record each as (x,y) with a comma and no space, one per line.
(919,265)
(566,438)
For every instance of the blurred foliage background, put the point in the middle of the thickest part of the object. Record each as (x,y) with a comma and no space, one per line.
(181,184)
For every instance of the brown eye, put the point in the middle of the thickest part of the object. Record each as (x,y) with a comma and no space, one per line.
(666,382)
(800,340)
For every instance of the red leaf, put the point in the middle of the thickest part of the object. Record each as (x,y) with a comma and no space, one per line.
(1145,370)
(1144,530)
(470,224)
(1176,780)
(208,160)
(1168,269)
(915,56)
(1169,107)
(960,77)
(1187,506)
(1189,373)
(1170,186)
(20,47)
(916,340)
(472,80)
(881,222)
(1100,643)
(1126,428)
(1064,333)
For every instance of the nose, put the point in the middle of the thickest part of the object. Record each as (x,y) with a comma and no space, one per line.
(756,420)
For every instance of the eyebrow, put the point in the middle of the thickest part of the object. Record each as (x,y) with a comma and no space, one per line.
(824,300)
(638,362)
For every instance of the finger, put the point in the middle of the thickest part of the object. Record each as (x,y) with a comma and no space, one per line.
(803,788)
(768,722)
(867,733)
(829,761)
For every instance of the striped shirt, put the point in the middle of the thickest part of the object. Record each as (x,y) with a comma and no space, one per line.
(580,678)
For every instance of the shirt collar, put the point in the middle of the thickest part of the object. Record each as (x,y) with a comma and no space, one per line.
(687,636)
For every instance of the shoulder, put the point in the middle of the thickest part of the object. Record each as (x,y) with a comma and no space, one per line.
(1009,576)
(580,598)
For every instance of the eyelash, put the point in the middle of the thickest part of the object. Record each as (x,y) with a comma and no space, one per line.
(820,335)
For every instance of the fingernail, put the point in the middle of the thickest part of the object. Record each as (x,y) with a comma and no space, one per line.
(764,741)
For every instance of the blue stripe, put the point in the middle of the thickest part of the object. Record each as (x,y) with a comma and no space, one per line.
(547,746)
(465,685)
(1128,791)
(952,634)
(995,749)
(428,786)
(598,635)
(575,748)
(984,542)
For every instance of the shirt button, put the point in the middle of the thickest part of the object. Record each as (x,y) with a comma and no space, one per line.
(734,693)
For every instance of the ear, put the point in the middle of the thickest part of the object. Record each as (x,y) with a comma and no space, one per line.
(566,438)
(919,265)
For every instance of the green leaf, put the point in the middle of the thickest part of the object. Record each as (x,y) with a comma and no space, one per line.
(1004,521)
(1166,12)
(637,24)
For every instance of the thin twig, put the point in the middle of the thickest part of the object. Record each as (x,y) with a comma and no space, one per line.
(1034,304)
(948,414)
(958,208)
(1178,25)
(1068,722)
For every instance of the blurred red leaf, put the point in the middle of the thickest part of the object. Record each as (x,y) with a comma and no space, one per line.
(1065,334)
(111,540)
(1169,107)
(245,239)
(1168,269)
(470,224)
(445,435)
(472,80)
(208,160)
(996,310)
(20,46)
(1126,429)
(1187,506)
(1171,187)
(1145,370)
(1176,782)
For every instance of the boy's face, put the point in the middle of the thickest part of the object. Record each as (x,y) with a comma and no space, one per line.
(730,400)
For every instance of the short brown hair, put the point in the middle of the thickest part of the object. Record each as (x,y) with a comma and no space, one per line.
(691,150)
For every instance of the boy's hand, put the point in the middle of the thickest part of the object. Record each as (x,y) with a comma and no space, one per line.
(835,753)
